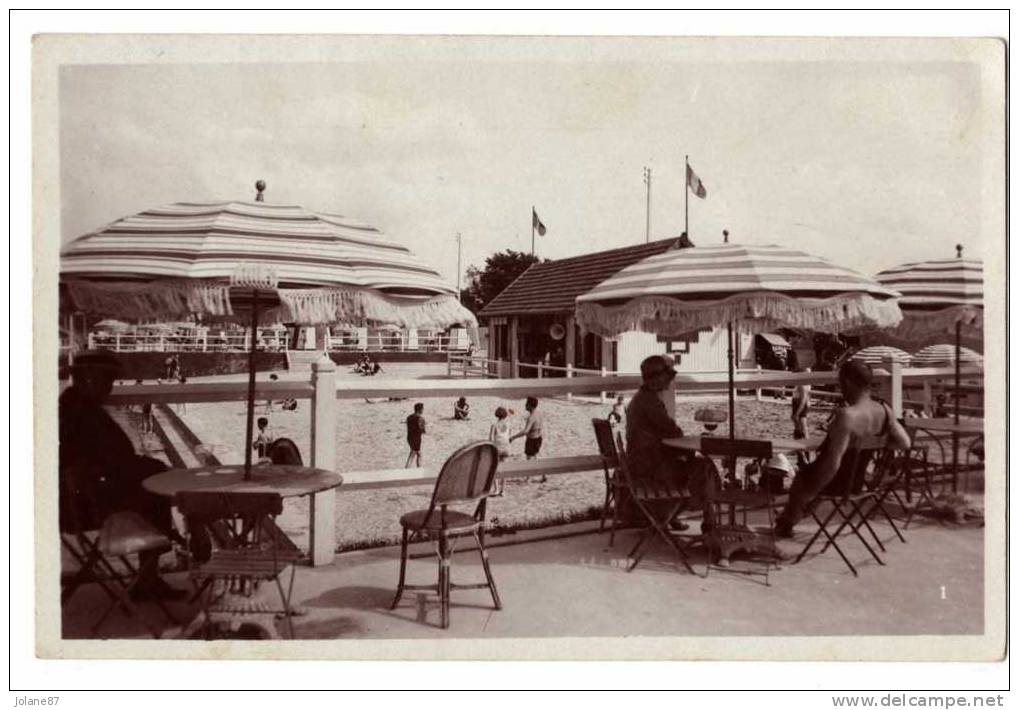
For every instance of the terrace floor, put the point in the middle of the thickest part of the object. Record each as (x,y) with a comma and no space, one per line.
(576,586)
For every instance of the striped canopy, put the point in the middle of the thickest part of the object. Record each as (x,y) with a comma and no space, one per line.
(757,288)
(880,354)
(318,267)
(944,355)
(938,294)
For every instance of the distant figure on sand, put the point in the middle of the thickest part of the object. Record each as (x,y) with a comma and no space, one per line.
(533,429)
(415,428)
(461,410)
(801,406)
(615,417)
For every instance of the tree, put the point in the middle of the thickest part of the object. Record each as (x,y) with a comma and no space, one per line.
(501,269)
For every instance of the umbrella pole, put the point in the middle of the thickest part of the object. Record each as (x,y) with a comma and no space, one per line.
(732,398)
(955,435)
(250,426)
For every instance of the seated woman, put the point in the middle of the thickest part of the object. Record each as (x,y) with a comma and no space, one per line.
(461,410)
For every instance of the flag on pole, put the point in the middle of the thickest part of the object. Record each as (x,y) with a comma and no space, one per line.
(695,183)
(536,223)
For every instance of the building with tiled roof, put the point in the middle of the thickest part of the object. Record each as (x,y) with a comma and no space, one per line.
(532,320)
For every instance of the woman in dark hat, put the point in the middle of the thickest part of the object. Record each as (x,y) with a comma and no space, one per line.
(108,474)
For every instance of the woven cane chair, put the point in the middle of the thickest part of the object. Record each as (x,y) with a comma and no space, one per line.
(658,502)
(848,501)
(465,479)
(613,482)
(103,547)
(228,580)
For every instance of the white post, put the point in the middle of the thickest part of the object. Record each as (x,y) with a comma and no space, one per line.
(322,525)
(540,370)
(569,374)
(116,342)
(602,393)
(449,364)
(91,341)
(928,398)
(895,384)
(757,392)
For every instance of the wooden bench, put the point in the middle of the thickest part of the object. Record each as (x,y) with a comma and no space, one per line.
(402,477)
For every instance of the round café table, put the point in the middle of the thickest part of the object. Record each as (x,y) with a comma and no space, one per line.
(780,445)
(937,427)
(288,481)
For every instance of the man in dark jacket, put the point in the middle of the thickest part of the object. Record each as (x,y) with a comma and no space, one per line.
(99,470)
(648,423)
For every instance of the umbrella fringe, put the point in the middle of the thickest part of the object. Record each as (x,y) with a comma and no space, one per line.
(174,299)
(749,312)
(917,325)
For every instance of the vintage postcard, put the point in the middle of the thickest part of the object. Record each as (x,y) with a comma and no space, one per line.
(464,347)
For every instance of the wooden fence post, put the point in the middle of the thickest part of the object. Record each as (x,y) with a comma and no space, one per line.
(322,532)
(758,392)
(449,364)
(602,393)
(569,374)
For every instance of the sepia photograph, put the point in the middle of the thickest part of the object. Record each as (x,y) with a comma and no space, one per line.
(520,347)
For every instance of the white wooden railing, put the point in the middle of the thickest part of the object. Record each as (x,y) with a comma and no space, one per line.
(271,340)
(324,390)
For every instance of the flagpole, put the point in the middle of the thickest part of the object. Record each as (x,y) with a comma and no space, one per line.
(533,213)
(647,227)
(459,295)
(686,198)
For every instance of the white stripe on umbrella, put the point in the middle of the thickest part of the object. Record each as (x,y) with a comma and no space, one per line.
(207,240)
(880,354)
(943,355)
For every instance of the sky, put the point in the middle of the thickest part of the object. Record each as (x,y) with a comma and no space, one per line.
(869,164)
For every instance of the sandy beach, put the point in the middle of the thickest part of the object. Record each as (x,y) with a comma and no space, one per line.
(373,436)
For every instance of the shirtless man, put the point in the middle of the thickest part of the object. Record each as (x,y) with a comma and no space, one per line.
(862,417)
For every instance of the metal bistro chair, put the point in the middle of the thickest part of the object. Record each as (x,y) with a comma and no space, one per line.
(647,495)
(884,481)
(251,557)
(613,482)
(847,497)
(95,542)
(466,478)
(730,530)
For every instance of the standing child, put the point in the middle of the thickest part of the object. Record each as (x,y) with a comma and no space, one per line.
(264,438)
(499,435)
(415,428)
(801,406)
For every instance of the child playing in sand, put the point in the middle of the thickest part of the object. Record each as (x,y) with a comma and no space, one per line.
(415,428)
(461,410)
(616,415)
(264,438)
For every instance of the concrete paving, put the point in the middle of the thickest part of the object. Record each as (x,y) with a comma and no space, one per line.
(576,586)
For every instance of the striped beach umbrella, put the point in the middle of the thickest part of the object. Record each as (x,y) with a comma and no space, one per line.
(748,288)
(877,355)
(941,296)
(938,296)
(183,258)
(280,262)
(756,288)
(945,355)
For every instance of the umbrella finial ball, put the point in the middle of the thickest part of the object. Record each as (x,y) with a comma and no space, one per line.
(958,251)
(260,186)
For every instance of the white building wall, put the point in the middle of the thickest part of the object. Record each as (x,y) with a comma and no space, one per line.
(708,353)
